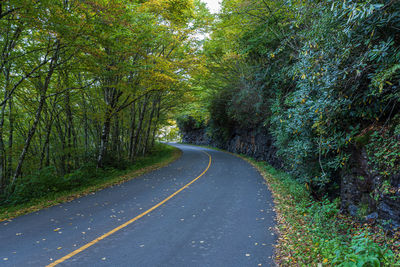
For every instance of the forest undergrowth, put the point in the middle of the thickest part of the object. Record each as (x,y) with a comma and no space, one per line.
(44,189)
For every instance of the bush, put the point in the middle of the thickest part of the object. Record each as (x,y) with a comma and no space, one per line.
(362,251)
(84,175)
(46,182)
(36,185)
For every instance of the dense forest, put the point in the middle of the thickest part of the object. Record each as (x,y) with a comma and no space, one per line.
(311,87)
(87,84)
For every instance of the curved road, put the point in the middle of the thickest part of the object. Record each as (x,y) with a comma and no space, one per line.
(224,218)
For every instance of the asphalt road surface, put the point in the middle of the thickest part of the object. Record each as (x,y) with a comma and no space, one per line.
(223,218)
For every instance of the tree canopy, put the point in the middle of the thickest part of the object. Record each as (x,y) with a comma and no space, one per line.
(89,82)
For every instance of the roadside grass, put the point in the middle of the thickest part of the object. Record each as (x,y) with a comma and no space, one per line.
(98,179)
(314,233)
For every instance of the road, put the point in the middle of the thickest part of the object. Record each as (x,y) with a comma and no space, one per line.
(223,218)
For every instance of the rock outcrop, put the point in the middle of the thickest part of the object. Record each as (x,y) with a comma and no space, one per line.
(256,143)
(368,195)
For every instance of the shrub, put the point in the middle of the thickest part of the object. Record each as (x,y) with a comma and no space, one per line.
(362,251)
(36,185)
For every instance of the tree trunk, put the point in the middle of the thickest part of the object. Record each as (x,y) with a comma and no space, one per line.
(85,123)
(43,89)
(10,138)
(2,152)
(69,123)
(139,129)
(2,146)
(132,131)
(115,139)
(146,141)
(45,147)
(61,137)
(104,139)
(29,138)
(156,122)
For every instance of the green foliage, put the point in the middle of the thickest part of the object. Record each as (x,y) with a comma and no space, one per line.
(88,81)
(36,185)
(46,182)
(188,123)
(318,74)
(384,153)
(362,251)
(313,232)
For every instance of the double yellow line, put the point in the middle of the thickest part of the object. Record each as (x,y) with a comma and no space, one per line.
(91,243)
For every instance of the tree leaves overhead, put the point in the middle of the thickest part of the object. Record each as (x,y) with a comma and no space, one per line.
(88,81)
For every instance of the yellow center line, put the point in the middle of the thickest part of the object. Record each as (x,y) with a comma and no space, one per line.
(91,243)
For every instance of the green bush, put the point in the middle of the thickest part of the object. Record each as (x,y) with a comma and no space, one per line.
(84,175)
(36,185)
(362,251)
(46,182)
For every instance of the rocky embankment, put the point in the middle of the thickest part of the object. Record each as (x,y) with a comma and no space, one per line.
(254,143)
